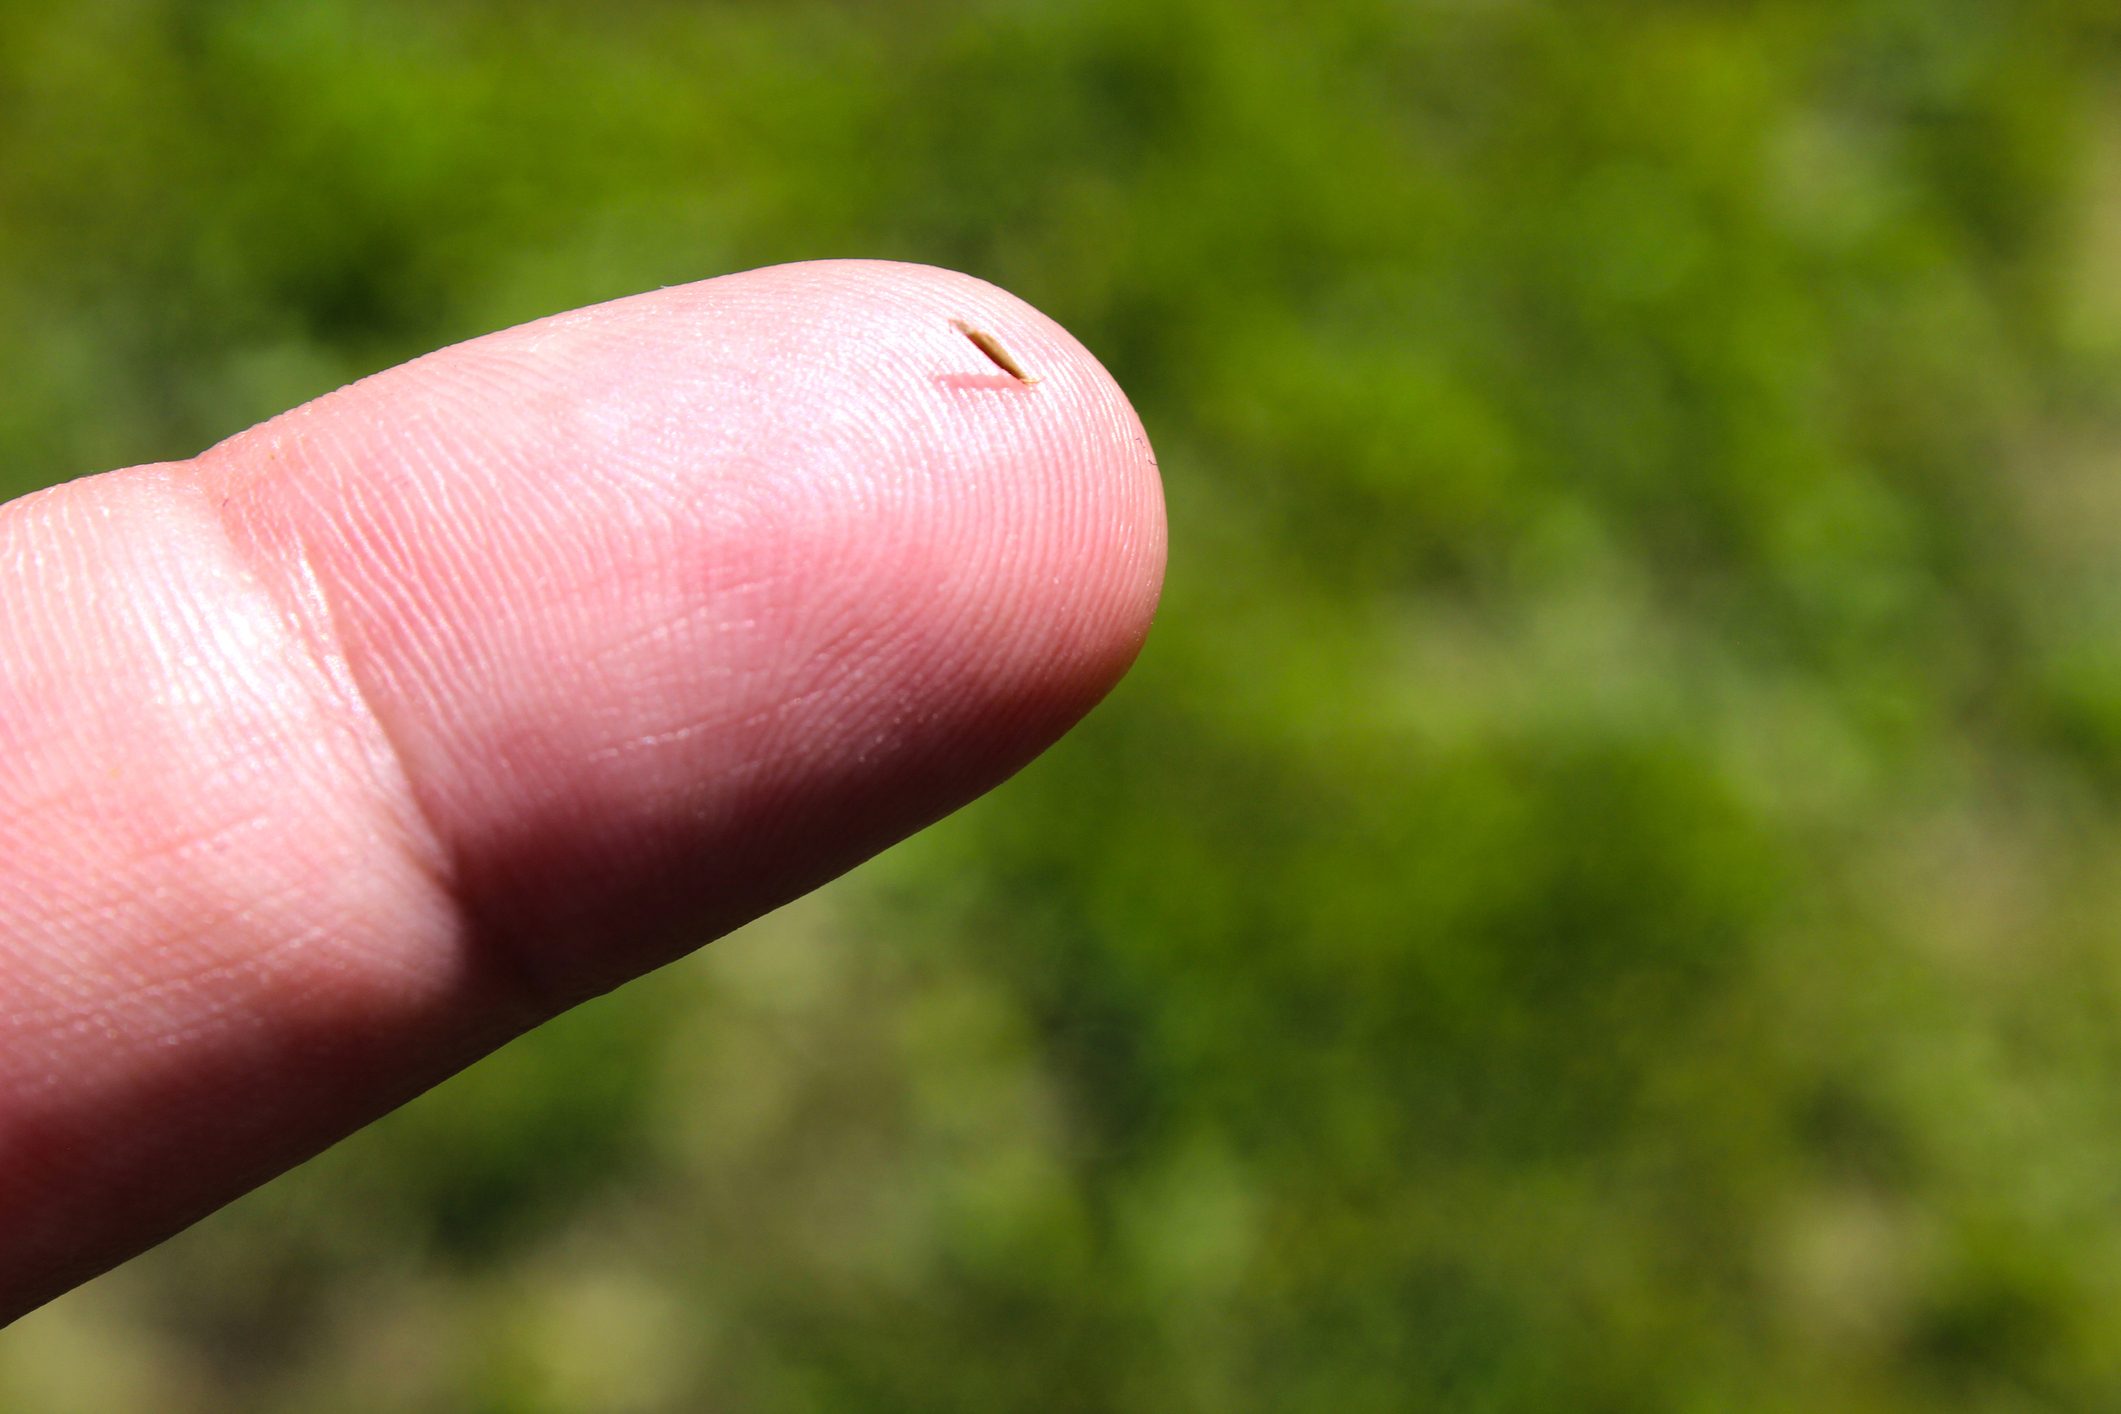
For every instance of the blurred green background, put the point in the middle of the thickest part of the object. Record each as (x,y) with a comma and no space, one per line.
(1601,893)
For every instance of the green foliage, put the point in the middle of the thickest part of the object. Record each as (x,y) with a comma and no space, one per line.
(1600,894)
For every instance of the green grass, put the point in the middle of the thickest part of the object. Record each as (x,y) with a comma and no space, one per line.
(1601,893)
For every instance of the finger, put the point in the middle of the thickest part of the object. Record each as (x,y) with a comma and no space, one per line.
(334,757)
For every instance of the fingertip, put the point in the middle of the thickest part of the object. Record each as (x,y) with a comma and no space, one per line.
(1041,485)
(385,729)
(673,607)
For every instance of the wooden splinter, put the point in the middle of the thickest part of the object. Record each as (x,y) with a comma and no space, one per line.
(987,344)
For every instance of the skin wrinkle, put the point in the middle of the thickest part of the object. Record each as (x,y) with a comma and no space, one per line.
(281,568)
(231,774)
(492,971)
(245,943)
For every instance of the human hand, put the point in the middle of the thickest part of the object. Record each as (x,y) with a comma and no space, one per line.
(336,756)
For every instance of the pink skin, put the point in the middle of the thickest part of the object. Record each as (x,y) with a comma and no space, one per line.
(339,754)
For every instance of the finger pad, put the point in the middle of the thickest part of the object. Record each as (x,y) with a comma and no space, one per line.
(675,606)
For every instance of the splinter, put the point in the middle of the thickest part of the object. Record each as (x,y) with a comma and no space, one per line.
(987,344)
